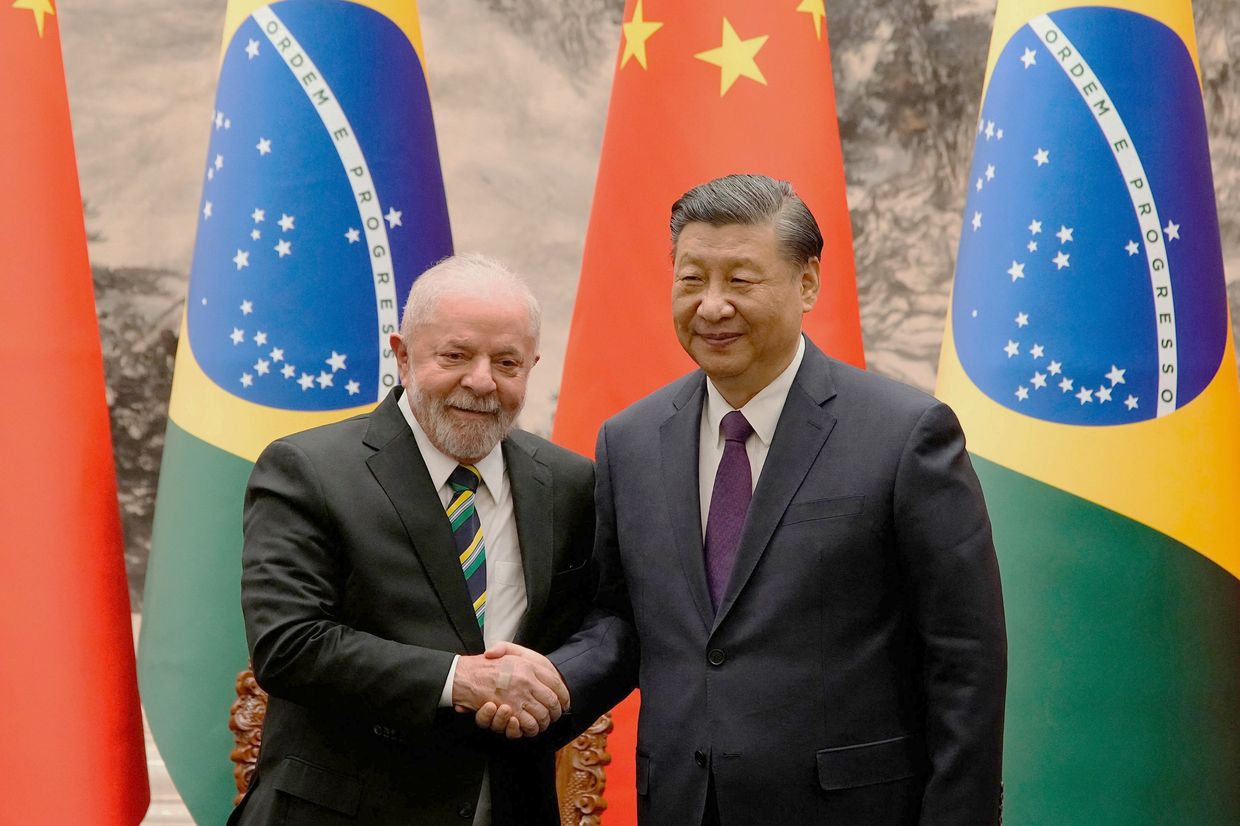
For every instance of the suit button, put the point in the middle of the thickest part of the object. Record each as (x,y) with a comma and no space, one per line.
(466,810)
(716,657)
(699,757)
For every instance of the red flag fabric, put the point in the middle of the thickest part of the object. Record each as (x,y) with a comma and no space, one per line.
(701,90)
(69,712)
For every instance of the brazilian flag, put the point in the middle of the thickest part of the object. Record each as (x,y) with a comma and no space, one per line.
(322,201)
(1088,352)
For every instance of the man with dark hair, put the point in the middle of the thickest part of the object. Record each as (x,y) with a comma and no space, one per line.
(384,553)
(796,561)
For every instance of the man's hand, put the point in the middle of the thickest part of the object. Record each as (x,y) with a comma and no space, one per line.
(512,689)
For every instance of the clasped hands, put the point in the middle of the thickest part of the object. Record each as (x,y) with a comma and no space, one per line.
(511,689)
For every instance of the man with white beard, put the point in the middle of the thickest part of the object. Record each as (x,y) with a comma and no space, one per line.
(385,553)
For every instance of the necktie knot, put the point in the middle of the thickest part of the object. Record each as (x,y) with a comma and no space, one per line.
(465,477)
(735,427)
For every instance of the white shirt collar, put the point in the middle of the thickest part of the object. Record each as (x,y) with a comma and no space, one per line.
(763,410)
(441,465)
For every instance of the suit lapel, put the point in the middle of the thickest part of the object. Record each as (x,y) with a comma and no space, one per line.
(679,441)
(531,483)
(803,429)
(398,467)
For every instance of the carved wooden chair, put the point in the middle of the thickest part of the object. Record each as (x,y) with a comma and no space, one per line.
(579,767)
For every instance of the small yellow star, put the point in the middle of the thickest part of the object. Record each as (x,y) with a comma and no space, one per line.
(636,32)
(818,10)
(39,8)
(735,57)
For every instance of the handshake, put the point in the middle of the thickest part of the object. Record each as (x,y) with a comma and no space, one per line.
(511,690)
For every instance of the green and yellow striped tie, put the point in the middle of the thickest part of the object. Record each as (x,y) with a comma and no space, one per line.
(467,531)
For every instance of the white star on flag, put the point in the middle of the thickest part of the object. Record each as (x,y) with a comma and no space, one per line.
(1172,231)
(1022,392)
(977,221)
(1038,380)
(285,222)
(219,119)
(1104,394)
(1035,227)
(260,338)
(255,234)
(241,259)
(285,247)
(979,185)
(306,381)
(336,361)
(288,371)
(1116,375)
(206,210)
(1061,260)
(1029,58)
(1042,157)
(1054,368)
(1064,234)
(325,379)
(219,161)
(1016,271)
(259,215)
(276,354)
(353,235)
(353,387)
(990,129)
(262,367)
(247,307)
(264,146)
(1032,246)
(1131,402)
(393,217)
(1066,384)
(990,172)
(251,49)
(1132,248)
(1036,351)
(246,379)
(1086,396)
(1022,319)
(1012,348)
(238,335)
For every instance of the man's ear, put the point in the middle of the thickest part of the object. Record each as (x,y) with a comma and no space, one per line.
(402,352)
(811,283)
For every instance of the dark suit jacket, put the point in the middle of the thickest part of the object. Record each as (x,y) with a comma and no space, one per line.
(354,605)
(855,671)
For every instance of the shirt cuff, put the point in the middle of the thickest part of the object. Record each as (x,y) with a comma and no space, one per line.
(445,697)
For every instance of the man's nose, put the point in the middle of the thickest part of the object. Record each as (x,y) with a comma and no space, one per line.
(716,305)
(478,378)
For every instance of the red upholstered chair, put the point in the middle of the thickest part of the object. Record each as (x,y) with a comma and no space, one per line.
(579,767)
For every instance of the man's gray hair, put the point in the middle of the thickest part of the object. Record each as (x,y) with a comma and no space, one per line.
(467,274)
(752,200)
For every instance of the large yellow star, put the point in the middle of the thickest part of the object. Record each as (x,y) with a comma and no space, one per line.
(40,8)
(735,57)
(636,32)
(816,9)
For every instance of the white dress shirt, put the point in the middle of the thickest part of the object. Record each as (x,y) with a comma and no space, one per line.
(506,597)
(762,412)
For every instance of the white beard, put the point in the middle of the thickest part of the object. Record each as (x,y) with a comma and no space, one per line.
(464,441)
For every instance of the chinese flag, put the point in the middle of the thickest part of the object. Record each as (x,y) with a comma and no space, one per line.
(72,728)
(702,89)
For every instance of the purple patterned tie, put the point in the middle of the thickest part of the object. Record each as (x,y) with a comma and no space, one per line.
(728,504)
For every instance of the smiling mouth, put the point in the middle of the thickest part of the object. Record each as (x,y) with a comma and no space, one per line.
(467,412)
(719,340)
